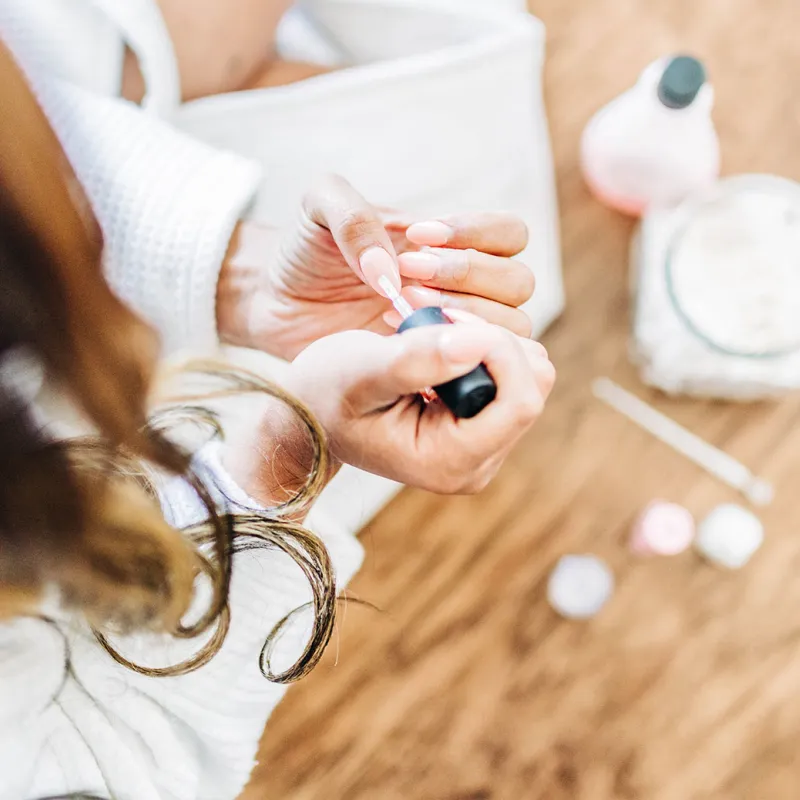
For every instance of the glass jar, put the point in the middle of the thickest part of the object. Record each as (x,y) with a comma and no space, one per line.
(717,291)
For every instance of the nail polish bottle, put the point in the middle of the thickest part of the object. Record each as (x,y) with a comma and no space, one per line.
(655,144)
(467,395)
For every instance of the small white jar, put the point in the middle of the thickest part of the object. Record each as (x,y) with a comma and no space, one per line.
(716,292)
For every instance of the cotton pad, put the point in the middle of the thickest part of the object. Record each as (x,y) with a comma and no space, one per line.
(729,536)
(579,586)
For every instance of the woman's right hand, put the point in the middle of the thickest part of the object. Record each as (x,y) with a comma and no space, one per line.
(364,387)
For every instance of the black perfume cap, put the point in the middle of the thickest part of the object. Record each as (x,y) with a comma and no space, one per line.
(468,395)
(681,81)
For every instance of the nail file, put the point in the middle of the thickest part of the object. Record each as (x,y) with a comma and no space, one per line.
(712,460)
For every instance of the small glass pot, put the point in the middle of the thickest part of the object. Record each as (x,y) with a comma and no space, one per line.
(732,267)
(717,291)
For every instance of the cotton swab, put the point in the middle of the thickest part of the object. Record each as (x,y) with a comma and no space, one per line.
(714,461)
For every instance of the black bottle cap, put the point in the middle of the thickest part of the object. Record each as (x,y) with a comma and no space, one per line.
(465,396)
(682,80)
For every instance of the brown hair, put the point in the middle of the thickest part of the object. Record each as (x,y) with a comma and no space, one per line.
(81,514)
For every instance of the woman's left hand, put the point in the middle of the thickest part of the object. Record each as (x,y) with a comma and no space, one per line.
(280,292)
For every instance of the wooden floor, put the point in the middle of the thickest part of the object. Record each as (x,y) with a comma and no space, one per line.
(687,686)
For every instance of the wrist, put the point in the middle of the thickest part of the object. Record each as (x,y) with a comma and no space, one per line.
(243,277)
(273,465)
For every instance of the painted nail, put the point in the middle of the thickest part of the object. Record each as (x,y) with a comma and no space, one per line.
(392,319)
(432,233)
(463,344)
(419,266)
(459,315)
(422,296)
(376,263)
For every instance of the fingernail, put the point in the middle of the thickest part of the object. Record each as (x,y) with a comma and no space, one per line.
(392,319)
(376,263)
(432,233)
(419,266)
(422,296)
(459,315)
(464,343)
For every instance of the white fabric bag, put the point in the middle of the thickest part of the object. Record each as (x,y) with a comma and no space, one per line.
(439,109)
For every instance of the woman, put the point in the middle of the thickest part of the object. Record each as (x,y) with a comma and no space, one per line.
(143,644)
(171,211)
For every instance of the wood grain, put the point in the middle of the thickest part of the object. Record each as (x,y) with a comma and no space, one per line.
(687,686)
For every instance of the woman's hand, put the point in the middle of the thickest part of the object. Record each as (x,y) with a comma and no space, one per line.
(280,292)
(363,389)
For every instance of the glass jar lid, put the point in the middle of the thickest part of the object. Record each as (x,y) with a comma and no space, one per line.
(733,266)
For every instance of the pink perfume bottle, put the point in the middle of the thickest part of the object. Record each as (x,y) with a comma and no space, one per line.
(655,144)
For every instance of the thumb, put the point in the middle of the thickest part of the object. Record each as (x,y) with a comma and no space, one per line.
(412,361)
(357,228)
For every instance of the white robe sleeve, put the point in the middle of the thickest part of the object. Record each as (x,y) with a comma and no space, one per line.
(167,203)
(104,729)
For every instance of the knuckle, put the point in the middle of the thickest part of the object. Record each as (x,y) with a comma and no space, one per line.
(462,263)
(509,338)
(522,325)
(356,223)
(522,283)
(528,409)
(471,474)
(547,378)
(523,234)
(416,353)
(445,484)
(539,349)
(474,486)
(455,485)
(479,480)
(457,478)
(514,232)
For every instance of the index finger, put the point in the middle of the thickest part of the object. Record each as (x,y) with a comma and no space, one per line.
(357,229)
(498,233)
